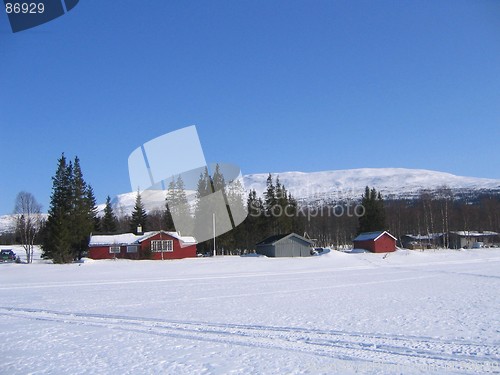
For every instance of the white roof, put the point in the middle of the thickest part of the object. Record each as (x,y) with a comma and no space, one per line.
(467,233)
(131,238)
(372,236)
(423,237)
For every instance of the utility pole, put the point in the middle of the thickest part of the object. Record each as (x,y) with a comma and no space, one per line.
(213,222)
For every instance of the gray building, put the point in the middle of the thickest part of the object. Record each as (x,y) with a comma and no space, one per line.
(418,241)
(471,239)
(285,245)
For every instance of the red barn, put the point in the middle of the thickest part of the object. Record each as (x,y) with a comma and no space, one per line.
(376,242)
(161,245)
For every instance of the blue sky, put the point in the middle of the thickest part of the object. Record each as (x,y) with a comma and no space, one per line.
(272,86)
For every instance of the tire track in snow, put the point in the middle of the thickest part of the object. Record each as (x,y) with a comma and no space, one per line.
(398,350)
(371,266)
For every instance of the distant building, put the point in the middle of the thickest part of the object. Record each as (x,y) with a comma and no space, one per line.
(417,241)
(472,239)
(376,242)
(163,245)
(285,245)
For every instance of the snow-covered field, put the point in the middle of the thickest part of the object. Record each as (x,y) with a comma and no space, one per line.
(410,312)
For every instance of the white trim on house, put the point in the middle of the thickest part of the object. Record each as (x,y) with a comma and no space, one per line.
(114,249)
(132,248)
(158,246)
(373,236)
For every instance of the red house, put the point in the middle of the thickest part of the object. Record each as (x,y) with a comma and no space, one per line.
(376,242)
(161,244)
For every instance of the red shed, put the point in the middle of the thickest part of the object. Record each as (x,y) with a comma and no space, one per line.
(163,245)
(376,242)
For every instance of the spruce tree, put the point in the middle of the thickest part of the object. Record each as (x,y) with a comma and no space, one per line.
(270,203)
(56,243)
(72,214)
(236,200)
(83,212)
(293,210)
(181,198)
(202,210)
(285,220)
(109,222)
(374,217)
(218,180)
(178,207)
(269,195)
(139,215)
(168,221)
(255,223)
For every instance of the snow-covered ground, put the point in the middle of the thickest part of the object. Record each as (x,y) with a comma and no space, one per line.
(409,312)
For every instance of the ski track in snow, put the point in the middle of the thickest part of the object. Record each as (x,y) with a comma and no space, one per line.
(408,312)
(262,274)
(454,355)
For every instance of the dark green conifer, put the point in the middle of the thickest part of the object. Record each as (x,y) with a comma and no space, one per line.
(109,222)
(139,216)
(374,217)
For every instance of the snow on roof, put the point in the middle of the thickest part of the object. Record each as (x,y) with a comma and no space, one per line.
(424,237)
(278,237)
(114,239)
(131,238)
(372,236)
(467,233)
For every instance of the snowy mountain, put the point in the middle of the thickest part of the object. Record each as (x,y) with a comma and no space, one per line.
(316,187)
(7,223)
(350,183)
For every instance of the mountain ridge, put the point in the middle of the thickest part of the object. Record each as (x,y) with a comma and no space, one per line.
(333,185)
(350,183)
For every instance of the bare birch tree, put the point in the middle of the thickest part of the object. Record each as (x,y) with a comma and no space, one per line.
(29,221)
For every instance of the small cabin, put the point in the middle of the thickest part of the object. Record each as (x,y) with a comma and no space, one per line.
(285,245)
(376,242)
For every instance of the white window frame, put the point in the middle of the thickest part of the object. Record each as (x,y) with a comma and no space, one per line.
(159,246)
(115,249)
(132,249)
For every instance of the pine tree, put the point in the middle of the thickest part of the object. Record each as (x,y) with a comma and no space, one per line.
(374,217)
(204,186)
(167,220)
(203,189)
(269,195)
(72,214)
(255,223)
(178,215)
(56,243)
(139,215)
(285,219)
(293,210)
(218,180)
(181,199)
(83,213)
(236,200)
(109,222)
(270,203)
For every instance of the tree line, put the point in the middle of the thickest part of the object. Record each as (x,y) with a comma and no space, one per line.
(273,213)
(429,212)
(72,214)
